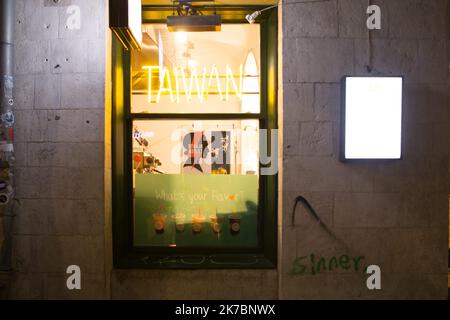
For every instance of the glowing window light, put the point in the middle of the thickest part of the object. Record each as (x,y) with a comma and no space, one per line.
(163,88)
(250,146)
(200,89)
(149,86)
(251,104)
(250,95)
(160,53)
(214,75)
(128,25)
(192,64)
(135,19)
(181,37)
(373,118)
(179,73)
(230,78)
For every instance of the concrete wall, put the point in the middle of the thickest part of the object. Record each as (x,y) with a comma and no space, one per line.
(393,214)
(59,92)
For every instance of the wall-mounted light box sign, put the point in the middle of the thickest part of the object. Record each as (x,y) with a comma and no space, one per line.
(371,118)
(125,20)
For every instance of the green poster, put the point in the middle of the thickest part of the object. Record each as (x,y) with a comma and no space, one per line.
(196,210)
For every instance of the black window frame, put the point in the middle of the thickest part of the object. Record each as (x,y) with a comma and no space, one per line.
(125,255)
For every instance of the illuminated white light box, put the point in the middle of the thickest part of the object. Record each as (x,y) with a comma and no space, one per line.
(372,118)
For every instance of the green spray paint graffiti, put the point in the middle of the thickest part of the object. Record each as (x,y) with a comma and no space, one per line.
(312,264)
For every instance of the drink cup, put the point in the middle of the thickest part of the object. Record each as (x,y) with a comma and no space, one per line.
(159,222)
(197,223)
(235,224)
(180,220)
(216,223)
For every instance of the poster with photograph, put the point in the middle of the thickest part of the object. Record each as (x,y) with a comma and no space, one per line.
(207,152)
(196,150)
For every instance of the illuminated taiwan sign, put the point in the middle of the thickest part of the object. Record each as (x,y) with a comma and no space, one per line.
(183,85)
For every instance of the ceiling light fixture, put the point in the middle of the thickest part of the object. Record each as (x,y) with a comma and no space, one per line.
(251,18)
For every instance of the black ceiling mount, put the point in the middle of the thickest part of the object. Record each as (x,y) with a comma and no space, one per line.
(185,8)
(190,19)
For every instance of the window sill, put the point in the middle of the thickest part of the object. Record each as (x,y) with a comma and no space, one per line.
(195,261)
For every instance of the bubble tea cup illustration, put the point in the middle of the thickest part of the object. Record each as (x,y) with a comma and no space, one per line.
(235,224)
(159,221)
(216,223)
(180,222)
(197,222)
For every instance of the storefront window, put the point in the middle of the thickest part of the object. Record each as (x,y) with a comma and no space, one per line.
(191,107)
(196,181)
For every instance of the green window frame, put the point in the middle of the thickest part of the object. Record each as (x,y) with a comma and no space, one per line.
(125,255)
